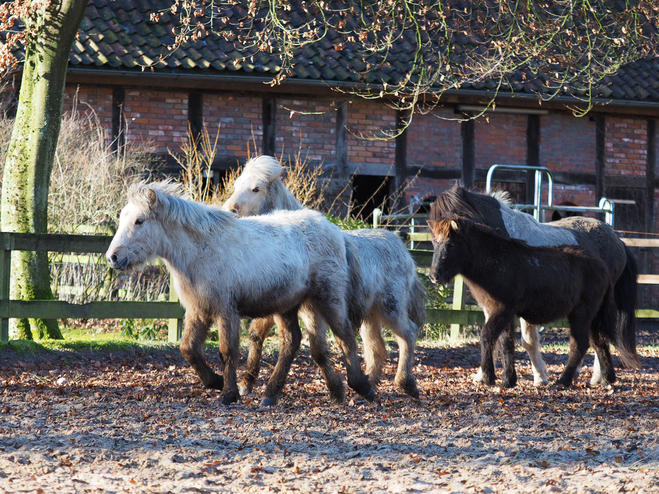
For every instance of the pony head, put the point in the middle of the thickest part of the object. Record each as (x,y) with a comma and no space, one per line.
(448,248)
(139,233)
(259,189)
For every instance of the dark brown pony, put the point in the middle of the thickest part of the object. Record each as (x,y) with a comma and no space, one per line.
(509,278)
(493,210)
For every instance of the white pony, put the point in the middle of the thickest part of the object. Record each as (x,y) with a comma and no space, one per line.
(225,268)
(385,290)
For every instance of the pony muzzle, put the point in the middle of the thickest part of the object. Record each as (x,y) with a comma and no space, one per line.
(116,262)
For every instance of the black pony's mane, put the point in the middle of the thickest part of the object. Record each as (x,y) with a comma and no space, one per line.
(456,201)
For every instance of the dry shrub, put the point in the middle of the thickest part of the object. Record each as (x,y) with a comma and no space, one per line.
(303,180)
(196,161)
(88,188)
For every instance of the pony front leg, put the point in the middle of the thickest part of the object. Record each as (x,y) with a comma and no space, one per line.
(192,345)
(507,346)
(258,332)
(531,343)
(492,329)
(579,336)
(228,329)
(290,337)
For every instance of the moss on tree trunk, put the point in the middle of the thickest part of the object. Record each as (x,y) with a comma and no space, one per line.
(31,152)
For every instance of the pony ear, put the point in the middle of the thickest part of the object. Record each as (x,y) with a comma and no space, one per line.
(152,197)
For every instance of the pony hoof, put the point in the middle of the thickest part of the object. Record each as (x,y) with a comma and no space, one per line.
(560,384)
(409,387)
(478,378)
(228,398)
(244,390)
(217,382)
(369,395)
(268,402)
(540,381)
(509,383)
(337,397)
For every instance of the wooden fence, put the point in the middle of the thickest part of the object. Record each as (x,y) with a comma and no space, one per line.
(457,316)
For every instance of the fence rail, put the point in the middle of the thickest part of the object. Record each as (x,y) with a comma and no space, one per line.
(55,309)
(172,310)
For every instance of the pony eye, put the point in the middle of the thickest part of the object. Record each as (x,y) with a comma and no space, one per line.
(139,221)
(255,189)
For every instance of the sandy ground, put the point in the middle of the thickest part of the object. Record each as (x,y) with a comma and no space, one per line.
(140,422)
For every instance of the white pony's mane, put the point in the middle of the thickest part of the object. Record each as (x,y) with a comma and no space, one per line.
(172,203)
(264,168)
(267,169)
(502,196)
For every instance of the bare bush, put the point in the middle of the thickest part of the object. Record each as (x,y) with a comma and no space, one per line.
(88,189)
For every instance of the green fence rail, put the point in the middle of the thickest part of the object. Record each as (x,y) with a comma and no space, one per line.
(55,309)
(96,244)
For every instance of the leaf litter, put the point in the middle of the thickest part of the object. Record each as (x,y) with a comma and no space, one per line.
(141,422)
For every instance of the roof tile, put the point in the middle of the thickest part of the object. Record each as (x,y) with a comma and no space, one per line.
(120,34)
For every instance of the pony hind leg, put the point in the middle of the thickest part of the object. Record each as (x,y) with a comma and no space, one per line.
(317,331)
(406,333)
(603,327)
(258,332)
(192,344)
(375,349)
(335,314)
(290,336)
(531,343)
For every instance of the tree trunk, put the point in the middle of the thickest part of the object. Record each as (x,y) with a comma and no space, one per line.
(31,152)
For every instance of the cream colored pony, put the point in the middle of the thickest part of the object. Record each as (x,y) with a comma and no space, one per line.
(225,268)
(386,288)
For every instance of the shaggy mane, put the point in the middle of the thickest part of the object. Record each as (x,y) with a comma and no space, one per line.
(264,168)
(458,200)
(172,204)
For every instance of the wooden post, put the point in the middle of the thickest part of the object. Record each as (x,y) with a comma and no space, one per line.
(5,277)
(174,326)
(458,304)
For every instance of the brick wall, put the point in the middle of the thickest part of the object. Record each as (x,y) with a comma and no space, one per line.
(366,122)
(307,128)
(159,118)
(90,100)
(626,144)
(567,143)
(239,121)
(500,139)
(434,140)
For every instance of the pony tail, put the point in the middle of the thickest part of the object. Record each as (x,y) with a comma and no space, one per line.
(357,311)
(416,310)
(626,299)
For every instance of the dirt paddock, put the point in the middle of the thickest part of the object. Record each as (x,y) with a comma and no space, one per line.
(140,422)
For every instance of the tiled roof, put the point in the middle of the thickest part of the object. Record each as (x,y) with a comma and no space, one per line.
(120,34)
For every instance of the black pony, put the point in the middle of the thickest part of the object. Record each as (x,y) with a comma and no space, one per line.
(509,278)
(493,210)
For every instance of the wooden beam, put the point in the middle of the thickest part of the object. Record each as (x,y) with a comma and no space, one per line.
(118,122)
(269,122)
(532,154)
(650,175)
(57,309)
(468,132)
(342,139)
(600,156)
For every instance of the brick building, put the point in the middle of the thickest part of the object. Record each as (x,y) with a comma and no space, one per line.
(609,152)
